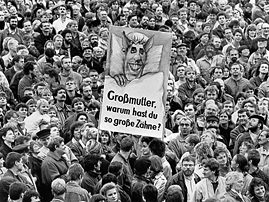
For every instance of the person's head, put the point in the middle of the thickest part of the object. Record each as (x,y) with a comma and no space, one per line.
(157,147)
(42,106)
(59,93)
(240,163)
(28,68)
(31,196)
(150,193)
(110,191)
(211,110)
(228,105)
(263,138)
(56,145)
(222,156)
(208,136)
(75,172)
(190,141)
(141,166)
(14,161)
(188,165)
(211,92)
(126,145)
(7,134)
(45,27)
(255,123)
(257,187)
(198,95)
(16,190)
(86,91)
(203,151)
(211,168)
(250,107)
(186,125)
(92,162)
(174,194)
(132,21)
(156,165)
(253,157)
(145,145)
(244,147)
(58,187)
(115,168)
(234,181)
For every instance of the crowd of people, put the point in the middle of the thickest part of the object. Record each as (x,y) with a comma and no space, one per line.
(215,147)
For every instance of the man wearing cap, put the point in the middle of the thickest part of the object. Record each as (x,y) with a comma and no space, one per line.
(204,39)
(262,47)
(141,169)
(255,126)
(43,138)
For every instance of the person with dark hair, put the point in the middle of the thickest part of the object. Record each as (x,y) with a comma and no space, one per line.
(92,166)
(28,79)
(254,170)
(126,147)
(174,194)
(261,73)
(258,190)
(30,196)
(150,193)
(222,156)
(157,147)
(186,178)
(54,165)
(51,77)
(68,46)
(43,37)
(15,166)
(144,141)
(74,192)
(16,191)
(62,21)
(140,179)
(212,185)
(17,61)
(255,126)
(239,163)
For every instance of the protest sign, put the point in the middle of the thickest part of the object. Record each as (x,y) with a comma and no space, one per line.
(135,86)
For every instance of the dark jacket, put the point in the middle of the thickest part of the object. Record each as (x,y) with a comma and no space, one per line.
(89,181)
(137,187)
(40,41)
(178,179)
(74,50)
(185,92)
(4,149)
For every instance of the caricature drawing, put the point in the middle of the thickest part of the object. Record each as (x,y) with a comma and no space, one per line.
(135,51)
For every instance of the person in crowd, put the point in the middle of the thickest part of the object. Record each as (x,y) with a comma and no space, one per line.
(257,190)
(16,191)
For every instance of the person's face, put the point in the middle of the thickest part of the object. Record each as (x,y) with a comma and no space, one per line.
(188,168)
(70,85)
(112,195)
(190,76)
(210,110)
(211,95)
(238,37)
(62,10)
(222,158)
(87,92)
(264,68)
(159,11)
(222,20)
(52,113)
(103,15)
(185,127)
(3,101)
(262,139)
(182,50)
(61,148)
(199,98)
(68,38)
(252,32)
(224,118)
(145,20)
(32,108)
(170,92)
(126,12)
(13,23)
(2,16)
(229,107)
(192,6)
(46,27)
(19,165)
(226,72)
(243,149)
(236,70)
(23,112)
(67,64)
(183,16)
(94,76)
(253,123)
(145,149)
(217,43)
(238,184)
(79,107)
(123,21)
(27,26)
(204,38)
(198,27)
(83,118)
(54,132)
(259,191)
(61,95)
(46,95)
(208,173)
(133,22)
(58,42)
(262,44)
(10,136)
(115,5)
(44,108)
(228,33)
(207,137)
(189,110)
(264,103)
(74,27)
(104,138)
(77,134)
(218,73)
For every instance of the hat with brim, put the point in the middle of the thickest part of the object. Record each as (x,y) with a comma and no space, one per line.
(182,45)
(261,39)
(212,118)
(43,134)
(256,116)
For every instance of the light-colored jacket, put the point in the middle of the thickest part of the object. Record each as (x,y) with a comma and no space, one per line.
(204,190)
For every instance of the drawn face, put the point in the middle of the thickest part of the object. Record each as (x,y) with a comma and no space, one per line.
(135,61)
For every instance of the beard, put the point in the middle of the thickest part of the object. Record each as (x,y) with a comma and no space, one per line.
(188,172)
(253,129)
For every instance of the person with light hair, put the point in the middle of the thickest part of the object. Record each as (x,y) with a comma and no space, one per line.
(234,185)
(111,193)
(12,51)
(32,122)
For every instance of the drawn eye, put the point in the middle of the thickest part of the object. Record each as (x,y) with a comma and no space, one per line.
(133,50)
(141,51)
